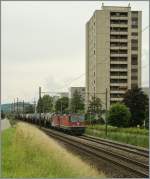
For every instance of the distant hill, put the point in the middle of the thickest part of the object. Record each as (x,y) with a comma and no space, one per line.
(8,107)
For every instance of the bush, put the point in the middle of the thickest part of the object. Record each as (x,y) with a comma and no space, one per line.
(119,115)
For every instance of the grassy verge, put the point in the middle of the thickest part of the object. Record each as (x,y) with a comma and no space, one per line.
(134,136)
(28,153)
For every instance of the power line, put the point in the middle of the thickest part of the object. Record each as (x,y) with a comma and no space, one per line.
(145,28)
(75,79)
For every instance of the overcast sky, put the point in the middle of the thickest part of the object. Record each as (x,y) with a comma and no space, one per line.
(43,44)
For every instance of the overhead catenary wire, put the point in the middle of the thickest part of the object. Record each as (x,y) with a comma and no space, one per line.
(79,77)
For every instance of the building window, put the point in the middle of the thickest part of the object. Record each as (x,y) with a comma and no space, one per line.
(134,44)
(134,70)
(134,77)
(134,34)
(134,85)
(134,22)
(134,59)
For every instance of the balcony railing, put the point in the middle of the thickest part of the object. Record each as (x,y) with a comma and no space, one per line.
(118,55)
(118,77)
(118,69)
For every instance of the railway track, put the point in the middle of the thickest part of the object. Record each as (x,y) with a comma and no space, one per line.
(138,169)
(126,147)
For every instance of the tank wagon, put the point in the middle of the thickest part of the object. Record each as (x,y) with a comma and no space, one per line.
(70,123)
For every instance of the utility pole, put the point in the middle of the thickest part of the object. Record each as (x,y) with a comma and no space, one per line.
(106,114)
(17,107)
(40,105)
(94,104)
(23,107)
(14,105)
(34,106)
(61,106)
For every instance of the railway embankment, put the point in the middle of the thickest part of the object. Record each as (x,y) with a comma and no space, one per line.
(28,153)
(134,136)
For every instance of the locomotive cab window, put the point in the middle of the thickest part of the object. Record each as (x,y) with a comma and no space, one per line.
(77,118)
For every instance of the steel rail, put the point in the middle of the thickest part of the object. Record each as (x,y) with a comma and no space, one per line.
(130,165)
(128,148)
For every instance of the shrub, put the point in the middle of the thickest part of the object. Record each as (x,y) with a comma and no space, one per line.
(119,115)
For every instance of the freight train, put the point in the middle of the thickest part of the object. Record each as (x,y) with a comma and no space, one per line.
(70,123)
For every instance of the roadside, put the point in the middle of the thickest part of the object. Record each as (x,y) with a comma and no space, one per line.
(41,157)
(5,124)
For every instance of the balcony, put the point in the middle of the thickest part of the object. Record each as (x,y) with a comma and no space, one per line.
(118,25)
(134,52)
(118,47)
(135,37)
(118,77)
(119,17)
(118,62)
(117,92)
(119,84)
(118,55)
(116,99)
(118,40)
(118,33)
(134,66)
(118,69)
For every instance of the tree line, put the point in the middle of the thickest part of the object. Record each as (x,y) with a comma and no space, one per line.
(133,110)
(62,105)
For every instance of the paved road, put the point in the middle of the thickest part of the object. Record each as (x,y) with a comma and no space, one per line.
(5,124)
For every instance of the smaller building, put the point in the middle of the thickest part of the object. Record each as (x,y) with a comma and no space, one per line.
(80,90)
(64,94)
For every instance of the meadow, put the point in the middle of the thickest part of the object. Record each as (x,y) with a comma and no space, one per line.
(134,136)
(29,153)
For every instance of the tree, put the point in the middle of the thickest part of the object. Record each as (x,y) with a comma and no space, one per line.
(39,107)
(62,105)
(45,104)
(118,115)
(137,102)
(2,114)
(77,103)
(95,107)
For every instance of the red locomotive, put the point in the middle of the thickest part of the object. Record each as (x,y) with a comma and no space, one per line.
(73,123)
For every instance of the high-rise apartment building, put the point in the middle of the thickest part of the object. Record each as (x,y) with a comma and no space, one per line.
(113,53)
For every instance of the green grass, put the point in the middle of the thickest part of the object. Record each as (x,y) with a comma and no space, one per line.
(134,136)
(29,153)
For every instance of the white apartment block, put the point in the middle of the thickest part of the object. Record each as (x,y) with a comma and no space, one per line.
(113,53)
